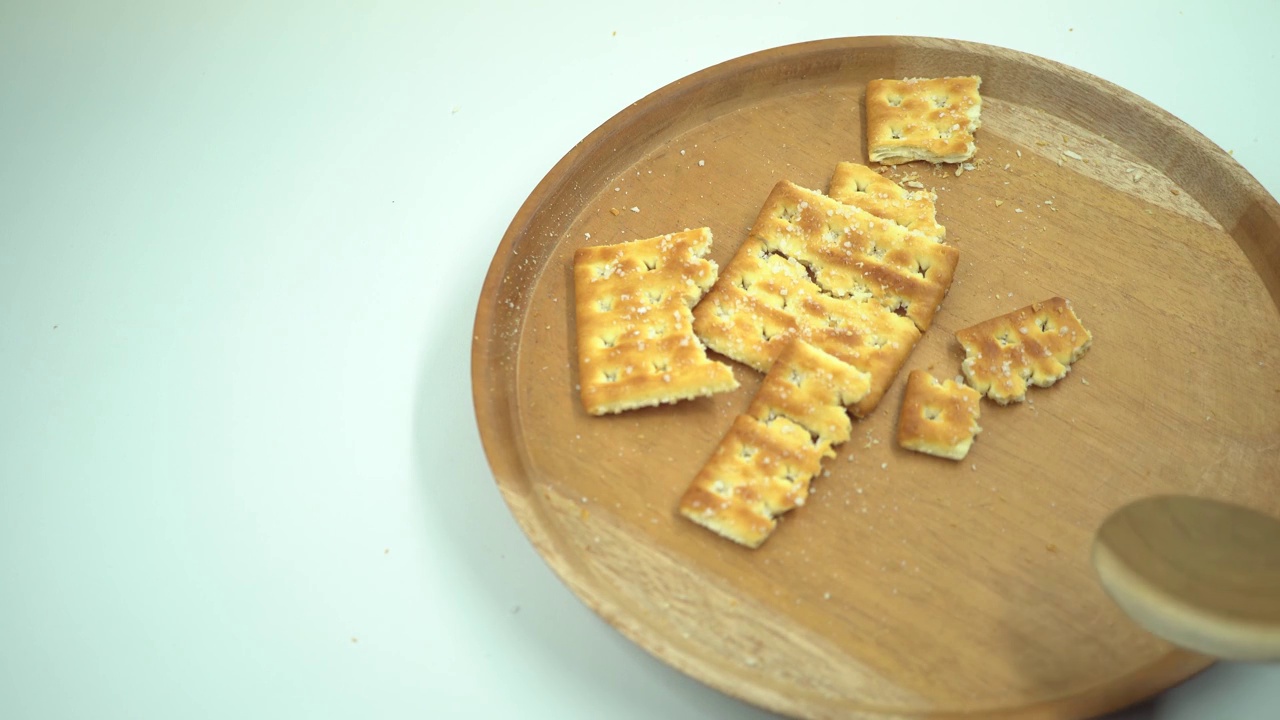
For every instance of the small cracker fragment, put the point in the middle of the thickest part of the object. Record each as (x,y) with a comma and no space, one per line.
(860,186)
(1035,345)
(763,465)
(856,286)
(634,300)
(938,417)
(929,119)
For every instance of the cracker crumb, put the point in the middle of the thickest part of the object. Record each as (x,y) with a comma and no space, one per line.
(615,211)
(1019,152)
(1084,381)
(1072,155)
(999,203)
(1137,176)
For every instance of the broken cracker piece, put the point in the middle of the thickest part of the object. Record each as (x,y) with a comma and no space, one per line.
(1035,344)
(636,345)
(938,417)
(929,119)
(860,186)
(763,465)
(854,285)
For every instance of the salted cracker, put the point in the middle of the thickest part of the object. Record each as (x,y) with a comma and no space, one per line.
(860,186)
(843,280)
(929,119)
(1035,345)
(938,417)
(764,464)
(636,345)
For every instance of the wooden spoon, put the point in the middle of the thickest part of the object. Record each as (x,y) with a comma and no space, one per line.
(1202,574)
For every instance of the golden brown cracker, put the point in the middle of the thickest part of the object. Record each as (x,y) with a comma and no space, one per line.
(938,417)
(1035,345)
(636,345)
(860,186)
(854,285)
(763,465)
(929,119)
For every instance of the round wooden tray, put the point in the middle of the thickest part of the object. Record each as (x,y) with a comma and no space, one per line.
(908,586)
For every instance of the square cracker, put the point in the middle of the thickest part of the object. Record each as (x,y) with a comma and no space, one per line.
(854,285)
(923,119)
(636,345)
(938,418)
(1035,344)
(763,466)
(860,186)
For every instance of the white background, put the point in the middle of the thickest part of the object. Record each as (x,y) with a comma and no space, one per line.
(242,245)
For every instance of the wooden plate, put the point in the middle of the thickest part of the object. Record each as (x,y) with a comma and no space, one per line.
(908,586)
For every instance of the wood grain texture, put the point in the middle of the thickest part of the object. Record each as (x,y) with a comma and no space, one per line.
(1200,573)
(908,586)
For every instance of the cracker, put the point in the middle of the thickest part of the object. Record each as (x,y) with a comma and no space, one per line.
(938,418)
(764,464)
(929,119)
(636,345)
(1036,344)
(859,185)
(854,285)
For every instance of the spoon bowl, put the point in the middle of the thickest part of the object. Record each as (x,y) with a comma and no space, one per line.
(1202,574)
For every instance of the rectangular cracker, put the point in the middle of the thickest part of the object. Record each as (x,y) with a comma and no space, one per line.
(938,418)
(854,285)
(929,119)
(633,303)
(1035,344)
(860,186)
(763,466)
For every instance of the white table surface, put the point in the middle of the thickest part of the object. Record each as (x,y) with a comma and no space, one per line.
(242,248)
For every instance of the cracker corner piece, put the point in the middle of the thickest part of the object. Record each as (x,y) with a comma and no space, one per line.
(938,418)
(633,303)
(763,465)
(1033,345)
(929,119)
(860,186)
